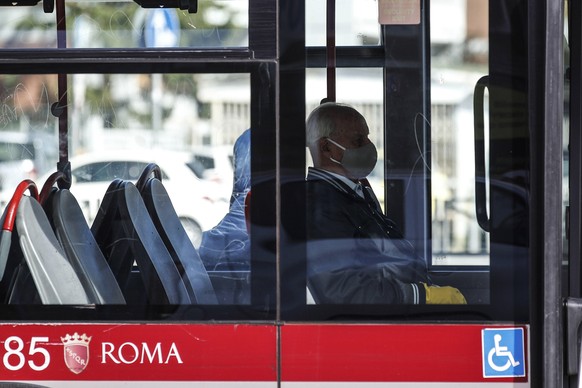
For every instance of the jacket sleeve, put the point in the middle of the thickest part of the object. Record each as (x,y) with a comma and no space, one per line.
(363,285)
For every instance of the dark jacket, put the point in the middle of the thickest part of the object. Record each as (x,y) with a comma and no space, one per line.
(355,254)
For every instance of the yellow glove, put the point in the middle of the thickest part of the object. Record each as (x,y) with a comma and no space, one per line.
(443,295)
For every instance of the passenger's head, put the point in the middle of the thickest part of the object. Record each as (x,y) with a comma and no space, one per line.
(337,137)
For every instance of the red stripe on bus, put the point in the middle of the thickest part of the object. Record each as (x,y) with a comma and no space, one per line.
(377,353)
(245,352)
(138,352)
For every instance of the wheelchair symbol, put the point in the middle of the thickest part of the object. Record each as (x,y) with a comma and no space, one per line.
(500,353)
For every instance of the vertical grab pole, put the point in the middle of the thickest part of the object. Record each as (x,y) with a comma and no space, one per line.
(480,168)
(59,109)
(331,55)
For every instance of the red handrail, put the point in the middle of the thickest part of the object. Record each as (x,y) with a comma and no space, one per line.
(12,206)
(10,216)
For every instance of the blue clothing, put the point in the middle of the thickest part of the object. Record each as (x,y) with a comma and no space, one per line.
(227,245)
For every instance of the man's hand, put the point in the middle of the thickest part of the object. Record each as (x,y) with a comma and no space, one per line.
(443,295)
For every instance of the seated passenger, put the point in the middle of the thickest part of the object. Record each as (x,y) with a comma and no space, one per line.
(355,254)
(227,245)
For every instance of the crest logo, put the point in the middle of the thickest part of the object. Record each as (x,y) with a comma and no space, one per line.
(76,351)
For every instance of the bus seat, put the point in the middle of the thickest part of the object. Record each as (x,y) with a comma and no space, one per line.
(181,249)
(40,258)
(81,248)
(125,232)
(104,228)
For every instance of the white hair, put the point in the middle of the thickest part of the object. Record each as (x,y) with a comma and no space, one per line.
(324,120)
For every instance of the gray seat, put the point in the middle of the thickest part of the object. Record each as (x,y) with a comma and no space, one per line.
(126,235)
(183,252)
(81,249)
(40,269)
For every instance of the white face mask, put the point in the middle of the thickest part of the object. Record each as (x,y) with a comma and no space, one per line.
(358,162)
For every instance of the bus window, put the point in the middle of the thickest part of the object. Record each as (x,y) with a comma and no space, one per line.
(459,58)
(124,24)
(356,23)
(195,128)
(452,161)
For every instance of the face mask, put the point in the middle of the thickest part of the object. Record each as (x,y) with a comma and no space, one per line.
(359,162)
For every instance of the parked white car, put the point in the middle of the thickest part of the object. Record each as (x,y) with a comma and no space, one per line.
(214,164)
(24,155)
(199,203)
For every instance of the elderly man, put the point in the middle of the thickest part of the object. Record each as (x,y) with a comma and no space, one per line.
(355,253)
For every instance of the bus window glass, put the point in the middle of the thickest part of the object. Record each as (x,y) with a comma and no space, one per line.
(28,27)
(454,211)
(362,89)
(194,127)
(480,143)
(356,23)
(124,24)
(459,58)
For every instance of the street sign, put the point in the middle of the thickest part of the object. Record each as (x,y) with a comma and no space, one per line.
(162,28)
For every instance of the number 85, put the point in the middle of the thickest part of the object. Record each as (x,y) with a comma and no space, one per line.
(14,346)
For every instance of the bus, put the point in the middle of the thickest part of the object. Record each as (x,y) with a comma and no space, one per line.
(121,267)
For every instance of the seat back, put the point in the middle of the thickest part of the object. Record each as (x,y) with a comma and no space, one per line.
(181,249)
(107,229)
(53,275)
(40,257)
(126,234)
(81,249)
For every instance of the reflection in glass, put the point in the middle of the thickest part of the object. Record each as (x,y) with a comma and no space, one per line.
(355,253)
(356,23)
(123,24)
(459,57)
(362,89)
(118,124)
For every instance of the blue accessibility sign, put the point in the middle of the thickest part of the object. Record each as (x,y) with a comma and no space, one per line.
(503,352)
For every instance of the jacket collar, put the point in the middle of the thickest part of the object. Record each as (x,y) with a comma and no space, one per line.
(342,184)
